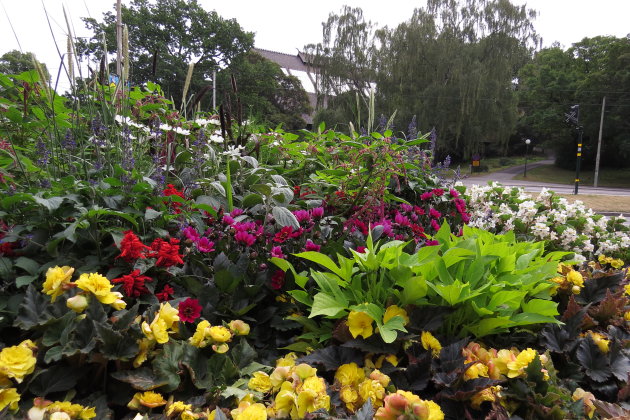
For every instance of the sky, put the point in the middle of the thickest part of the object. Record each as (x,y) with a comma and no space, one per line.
(287,25)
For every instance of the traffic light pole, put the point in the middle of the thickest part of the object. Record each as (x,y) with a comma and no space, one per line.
(577,161)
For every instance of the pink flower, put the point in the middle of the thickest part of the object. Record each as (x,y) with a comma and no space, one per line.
(426,196)
(191,233)
(244,238)
(205,245)
(435,214)
(277,279)
(406,207)
(361,249)
(189,310)
(453,193)
(431,243)
(310,246)
(438,192)
(302,215)
(228,220)
(317,212)
(435,225)
(236,212)
(401,220)
(276,252)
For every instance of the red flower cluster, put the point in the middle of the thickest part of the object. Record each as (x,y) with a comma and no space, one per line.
(131,248)
(167,253)
(166,293)
(133,284)
(169,191)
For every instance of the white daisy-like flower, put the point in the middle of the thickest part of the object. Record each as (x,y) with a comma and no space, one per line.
(233,152)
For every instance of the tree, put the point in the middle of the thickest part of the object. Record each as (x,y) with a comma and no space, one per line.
(15,62)
(266,93)
(583,74)
(165,37)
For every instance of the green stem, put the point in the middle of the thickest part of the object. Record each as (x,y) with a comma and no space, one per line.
(228,187)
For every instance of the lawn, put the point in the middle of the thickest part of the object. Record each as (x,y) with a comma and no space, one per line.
(498,163)
(617,178)
(607,203)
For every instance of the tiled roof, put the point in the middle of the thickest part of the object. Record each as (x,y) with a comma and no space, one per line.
(287,61)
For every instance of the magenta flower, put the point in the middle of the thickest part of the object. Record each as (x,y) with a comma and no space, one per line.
(228,220)
(401,220)
(276,252)
(205,245)
(236,212)
(317,212)
(435,225)
(311,246)
(302,216)
(245,238)
(438,192)
(431,243)
(361,249)
(191,233)
(426,196)
(284,234)
(435,214)
(406,207)
(453,193)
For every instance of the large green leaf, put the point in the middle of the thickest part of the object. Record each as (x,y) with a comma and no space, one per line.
(324,304)
(284,217)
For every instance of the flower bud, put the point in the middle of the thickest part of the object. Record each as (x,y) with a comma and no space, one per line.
(59,415)
(220,348)
(239,327)
(77,303)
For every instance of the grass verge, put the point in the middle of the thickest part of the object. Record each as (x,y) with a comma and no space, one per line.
(499,163)
(614,178)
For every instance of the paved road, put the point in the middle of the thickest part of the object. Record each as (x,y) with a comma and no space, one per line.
(505,177)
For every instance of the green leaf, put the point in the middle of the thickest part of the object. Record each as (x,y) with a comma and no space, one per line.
(324,304)
(541,307)
(490,326)
(593,360)
(251,200)
(324,261)
(30,266)
(142,379)
(284,217)
(57,378)
(115,345)
(151,214)
(51,203)
(22,281)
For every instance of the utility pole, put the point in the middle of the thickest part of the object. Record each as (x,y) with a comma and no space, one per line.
(214,90)
(599,143)
(118,39)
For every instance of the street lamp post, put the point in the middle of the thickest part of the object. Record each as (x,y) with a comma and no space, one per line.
(527,142)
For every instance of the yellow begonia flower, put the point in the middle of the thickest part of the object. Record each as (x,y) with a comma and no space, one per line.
(575,278)
(601,341)
(170,316)
(239,327)
(360,324)
(304,371)
(285,401)
(17,361)
(253,412)
(350,396)
(487,394)
(393,311)
(524,358)
(9,397)
(166,319)
(220,334)
(98,285)
(147,399)
(616,263)
(288,360)
(435,412)
(74,411)
(383,379)
(476,371)
(626,316)
(220,348)
(119,303)
(177,407)
(145,345)
(56,278)
(199,338)
(349,374)
(260,382)
(626,289)
(279,375)
(312,396)
(429,342)
(373,390)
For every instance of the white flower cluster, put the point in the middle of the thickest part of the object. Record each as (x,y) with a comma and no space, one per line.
(566,226)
